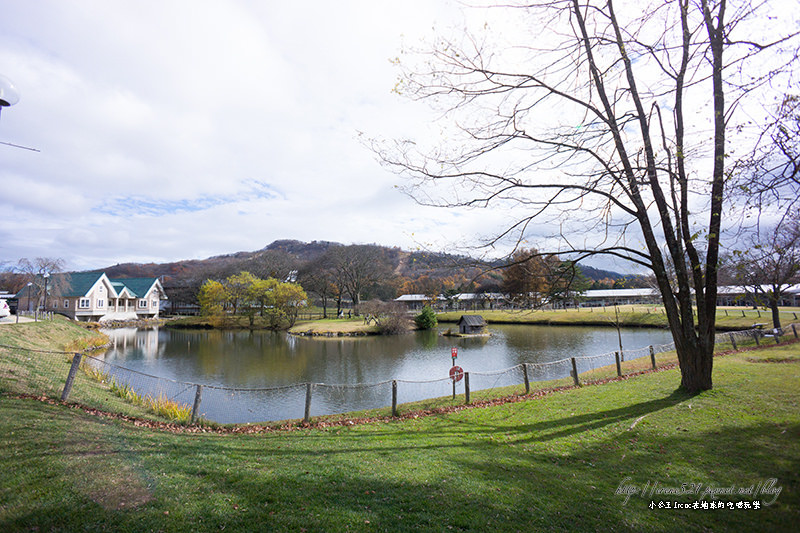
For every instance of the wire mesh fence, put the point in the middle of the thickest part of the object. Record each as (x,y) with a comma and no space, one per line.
(95,383)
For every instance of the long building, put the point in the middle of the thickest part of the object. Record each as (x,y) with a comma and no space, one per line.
(727,296)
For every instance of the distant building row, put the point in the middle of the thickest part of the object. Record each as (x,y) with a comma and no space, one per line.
(93,296)
(727,296)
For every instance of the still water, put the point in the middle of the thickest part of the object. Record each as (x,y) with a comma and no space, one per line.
(263,359)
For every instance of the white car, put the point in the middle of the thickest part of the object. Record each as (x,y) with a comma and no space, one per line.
(4,309)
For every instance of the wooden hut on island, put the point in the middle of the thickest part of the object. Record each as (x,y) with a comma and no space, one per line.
(471,324)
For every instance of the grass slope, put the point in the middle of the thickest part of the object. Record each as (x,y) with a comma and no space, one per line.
(636,316)
(551,463)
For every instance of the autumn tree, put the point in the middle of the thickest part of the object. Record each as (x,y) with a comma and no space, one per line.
(239,288)
(212,298)
(610,122)
(525,277)
(277,301)
(287,300)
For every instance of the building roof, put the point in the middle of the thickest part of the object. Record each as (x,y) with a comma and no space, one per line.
(742,289)
(75,284)
(138,287)
(471,320)
(79,284)
(416,298)
(620,293)
(479,296)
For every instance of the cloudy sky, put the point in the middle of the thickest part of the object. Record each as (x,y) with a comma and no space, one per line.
(185,129)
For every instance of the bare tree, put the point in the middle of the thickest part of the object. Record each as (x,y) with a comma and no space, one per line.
(390,317)
(770,176)
(358,267)
(272,264)
(601,125)
(768,264)
(37,273)
(318,276)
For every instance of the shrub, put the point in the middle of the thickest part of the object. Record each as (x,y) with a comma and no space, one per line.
(390,317)
(426,319)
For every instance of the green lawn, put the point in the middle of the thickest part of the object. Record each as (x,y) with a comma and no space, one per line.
(548,463)
(639,315)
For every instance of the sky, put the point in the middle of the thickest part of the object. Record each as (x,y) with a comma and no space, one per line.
(184,129)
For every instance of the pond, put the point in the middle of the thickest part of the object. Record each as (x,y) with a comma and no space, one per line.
(244,360)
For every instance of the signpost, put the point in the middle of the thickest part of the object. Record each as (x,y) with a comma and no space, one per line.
(456,372)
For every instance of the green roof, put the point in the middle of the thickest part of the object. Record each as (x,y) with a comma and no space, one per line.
(137,286)
(75,284)
(78,284)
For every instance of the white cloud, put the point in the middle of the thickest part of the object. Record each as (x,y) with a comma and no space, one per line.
(189,128)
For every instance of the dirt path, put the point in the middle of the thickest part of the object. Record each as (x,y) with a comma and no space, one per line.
(13,319)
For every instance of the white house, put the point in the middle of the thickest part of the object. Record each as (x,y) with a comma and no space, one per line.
(93,296)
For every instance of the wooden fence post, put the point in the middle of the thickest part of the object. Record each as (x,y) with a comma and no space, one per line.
(742,313)
(733,341)
(76,363)
(575,372)
(198,393)
(653,357)
(619,368)
(525,377)
(466,387)
(794,330)
(394,397)
(726,312)
(307,416)
(755,336)
(777,336)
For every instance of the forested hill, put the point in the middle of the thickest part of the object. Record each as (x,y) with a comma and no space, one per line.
(404,272)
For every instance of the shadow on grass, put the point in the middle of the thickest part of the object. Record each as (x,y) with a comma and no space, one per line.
(516,468)
(245,484)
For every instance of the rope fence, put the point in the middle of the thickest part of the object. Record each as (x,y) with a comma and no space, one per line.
(98,384)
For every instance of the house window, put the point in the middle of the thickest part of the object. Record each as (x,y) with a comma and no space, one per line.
(101,289)
(142,304)
(66,304)
(83,303)
(100,303)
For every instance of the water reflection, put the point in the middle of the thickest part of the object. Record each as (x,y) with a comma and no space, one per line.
(263,359)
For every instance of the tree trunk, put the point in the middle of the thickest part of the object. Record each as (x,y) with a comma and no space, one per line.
(696,372)
(696,363)
(776,315)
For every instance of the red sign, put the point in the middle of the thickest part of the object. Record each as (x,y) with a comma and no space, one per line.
(454,352)
(456,373)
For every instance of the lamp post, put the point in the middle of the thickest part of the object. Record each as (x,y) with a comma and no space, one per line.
(9,95)
(29,296)
(46,276)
